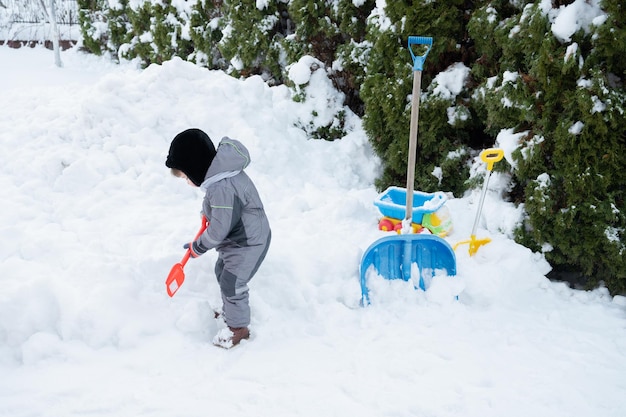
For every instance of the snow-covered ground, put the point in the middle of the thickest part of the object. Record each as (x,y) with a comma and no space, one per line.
(91,223)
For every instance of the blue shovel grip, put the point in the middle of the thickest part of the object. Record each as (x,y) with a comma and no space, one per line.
(418,60)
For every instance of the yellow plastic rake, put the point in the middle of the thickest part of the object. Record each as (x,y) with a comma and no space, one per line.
(490,157)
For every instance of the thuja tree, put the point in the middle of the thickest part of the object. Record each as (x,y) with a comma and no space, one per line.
(91,17)
(252,35)
(501,98)
(152,31)
(350,60)
(316,30)
(205,34)
(566,93)
(104,25)
(442,143)
(334,33)
(157,33)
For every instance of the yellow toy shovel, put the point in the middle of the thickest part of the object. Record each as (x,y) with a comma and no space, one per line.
(490,157)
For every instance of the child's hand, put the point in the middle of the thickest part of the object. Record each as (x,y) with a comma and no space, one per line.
(196,249)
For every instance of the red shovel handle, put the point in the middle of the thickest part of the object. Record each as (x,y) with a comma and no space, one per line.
(203,227)
(177,275)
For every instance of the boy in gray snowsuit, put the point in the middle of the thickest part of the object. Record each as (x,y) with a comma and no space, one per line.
(238,227)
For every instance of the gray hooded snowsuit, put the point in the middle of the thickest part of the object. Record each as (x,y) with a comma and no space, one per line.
(238,227)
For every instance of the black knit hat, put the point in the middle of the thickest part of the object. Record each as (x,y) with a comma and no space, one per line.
(191,152)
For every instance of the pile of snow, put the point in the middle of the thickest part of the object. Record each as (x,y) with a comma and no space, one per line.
(92,222)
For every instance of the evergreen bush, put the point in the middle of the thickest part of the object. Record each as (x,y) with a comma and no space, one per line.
(205,35)
(570,168)
(252,37)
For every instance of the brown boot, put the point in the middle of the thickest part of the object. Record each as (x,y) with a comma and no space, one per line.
(231,336)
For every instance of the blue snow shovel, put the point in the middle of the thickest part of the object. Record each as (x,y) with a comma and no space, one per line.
(393,256)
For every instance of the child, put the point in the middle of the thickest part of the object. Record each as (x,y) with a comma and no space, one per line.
(238,228)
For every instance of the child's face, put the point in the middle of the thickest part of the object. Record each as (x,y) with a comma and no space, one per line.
(189,181)
(181,174)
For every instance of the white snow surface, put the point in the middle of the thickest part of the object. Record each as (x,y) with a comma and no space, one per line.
(92,222)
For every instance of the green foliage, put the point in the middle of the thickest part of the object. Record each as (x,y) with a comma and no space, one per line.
(155,34)
(317,31)
(584,216)
(252,36)
(571,167)
(205,35)
(104,29)
(151,31)
(119,27)
(489,27)
(140,44)
(610,43)
(90,14)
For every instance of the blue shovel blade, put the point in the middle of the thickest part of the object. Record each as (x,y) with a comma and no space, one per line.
(392,257)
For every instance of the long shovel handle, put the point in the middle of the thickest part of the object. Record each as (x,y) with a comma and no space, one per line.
(418,64)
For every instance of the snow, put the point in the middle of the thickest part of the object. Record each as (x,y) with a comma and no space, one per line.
(300,72)
(379,18)
(262,4)
(450,82)
(571,51)
(568,19)
(92,222)
(598,105)
(576,128)
(508,140)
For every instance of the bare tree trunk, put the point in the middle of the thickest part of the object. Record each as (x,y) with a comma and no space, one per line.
(52,18)
(55,34)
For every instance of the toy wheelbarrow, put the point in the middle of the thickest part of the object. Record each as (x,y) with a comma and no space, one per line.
(393,256)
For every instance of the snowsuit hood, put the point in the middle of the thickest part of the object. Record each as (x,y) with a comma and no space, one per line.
(232,157)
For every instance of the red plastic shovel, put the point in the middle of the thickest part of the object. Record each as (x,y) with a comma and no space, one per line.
(177,275)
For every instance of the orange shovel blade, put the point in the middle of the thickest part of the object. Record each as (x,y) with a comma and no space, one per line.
(175,279)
